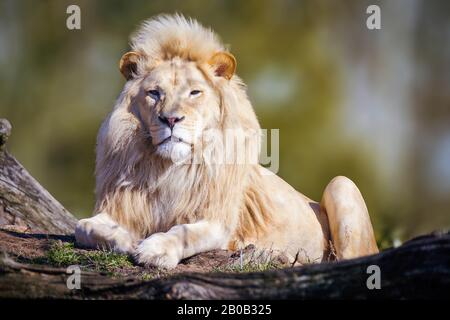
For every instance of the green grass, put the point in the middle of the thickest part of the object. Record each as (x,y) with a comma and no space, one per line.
(248,267)
(104,260)
(253,261)
(147,276)
(64,254)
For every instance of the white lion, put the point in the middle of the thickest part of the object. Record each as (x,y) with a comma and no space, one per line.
(157,204)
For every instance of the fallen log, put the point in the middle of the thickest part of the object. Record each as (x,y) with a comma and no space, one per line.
(418,269)
(23,201)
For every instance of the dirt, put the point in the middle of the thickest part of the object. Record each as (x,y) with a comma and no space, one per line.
(29,247)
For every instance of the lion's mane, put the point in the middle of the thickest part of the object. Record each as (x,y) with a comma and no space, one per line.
(147,193)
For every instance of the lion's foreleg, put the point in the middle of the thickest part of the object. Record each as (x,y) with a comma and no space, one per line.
(181,241)
(101,231)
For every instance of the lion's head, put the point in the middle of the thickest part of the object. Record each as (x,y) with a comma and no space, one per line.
(176,101)
(181,95)
(182,78)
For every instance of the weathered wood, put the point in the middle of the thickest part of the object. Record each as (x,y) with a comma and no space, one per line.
(23,201)
(418,269)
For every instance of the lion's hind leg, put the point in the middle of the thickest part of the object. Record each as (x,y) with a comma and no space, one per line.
(349,222)
(102,232)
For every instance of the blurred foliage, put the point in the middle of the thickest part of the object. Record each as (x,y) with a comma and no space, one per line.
(57,85)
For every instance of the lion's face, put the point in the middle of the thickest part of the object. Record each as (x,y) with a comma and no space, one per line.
(176,104)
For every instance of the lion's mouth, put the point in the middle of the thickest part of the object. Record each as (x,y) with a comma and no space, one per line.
(174,139)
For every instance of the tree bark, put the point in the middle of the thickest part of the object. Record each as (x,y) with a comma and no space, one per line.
(23,201)
(418,269)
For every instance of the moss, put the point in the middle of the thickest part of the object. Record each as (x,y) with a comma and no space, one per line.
(64,254)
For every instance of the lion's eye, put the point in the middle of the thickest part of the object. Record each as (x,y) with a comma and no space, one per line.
(195,92)
(155,94)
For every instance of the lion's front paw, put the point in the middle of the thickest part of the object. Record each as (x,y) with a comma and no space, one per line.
(159,250)
(94,234)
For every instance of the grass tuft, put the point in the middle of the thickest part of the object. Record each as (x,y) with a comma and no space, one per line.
(106,261)
(248,267)
(145,276)
(252,261)
(64,254)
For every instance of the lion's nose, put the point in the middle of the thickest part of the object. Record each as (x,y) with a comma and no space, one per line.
(170,121)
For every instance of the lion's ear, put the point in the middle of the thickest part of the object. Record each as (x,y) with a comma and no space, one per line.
(224,64)
(128,64)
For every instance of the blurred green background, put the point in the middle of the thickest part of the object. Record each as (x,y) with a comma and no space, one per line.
(371,105)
